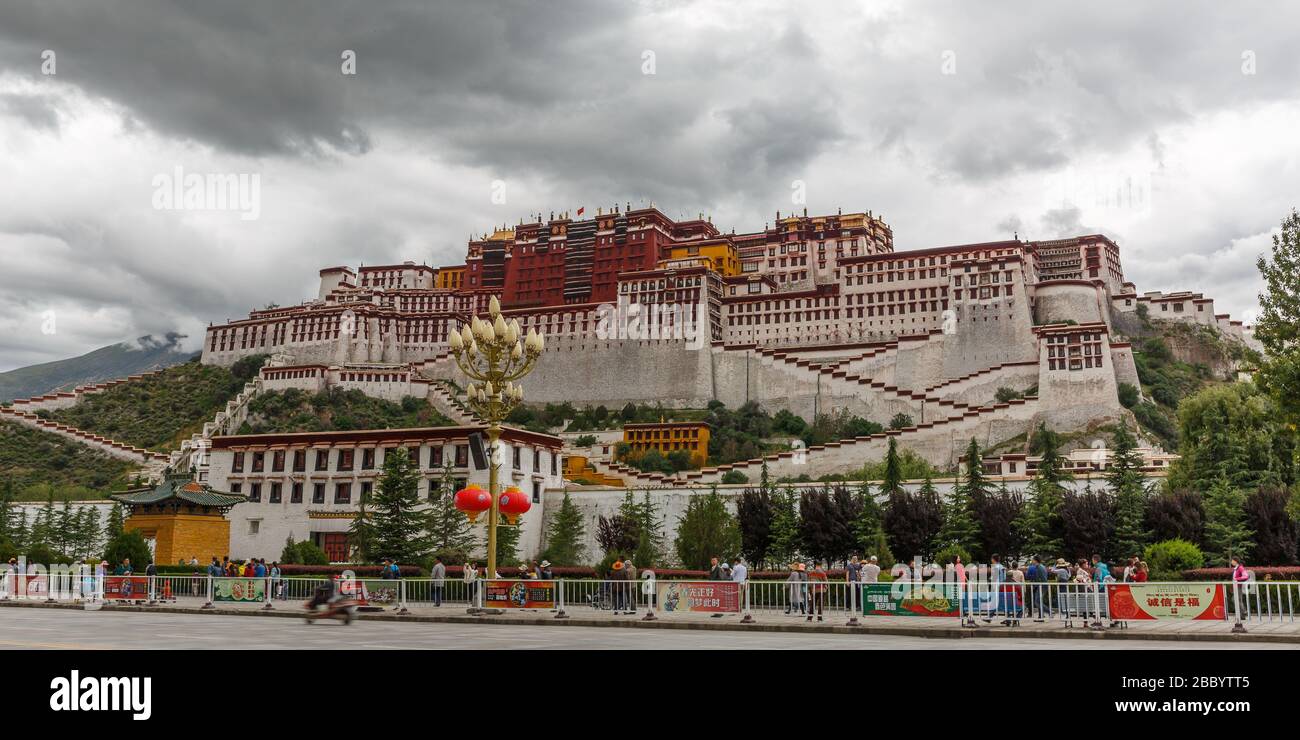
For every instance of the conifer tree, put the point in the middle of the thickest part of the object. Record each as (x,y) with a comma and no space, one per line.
(361,531)
(706,530)
(564,536)
(450,530)
(1128,496)
(784,547)
(892,481)
(114,526)
(400,526)
(1226,533)
(959,527)
(1041,519)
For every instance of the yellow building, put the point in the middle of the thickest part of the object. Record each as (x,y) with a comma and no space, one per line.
(578,468)
(719,255)
(181,518)
(669,436)
(450,278)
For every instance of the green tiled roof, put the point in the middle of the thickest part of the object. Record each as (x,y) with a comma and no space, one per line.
(180,487)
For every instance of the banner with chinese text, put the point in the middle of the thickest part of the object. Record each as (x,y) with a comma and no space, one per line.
(1165,601)
(126,588)
(699,596)
(239,589)
(906,599)
(519,595)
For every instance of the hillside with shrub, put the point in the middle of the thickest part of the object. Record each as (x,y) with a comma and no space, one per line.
(295,410)
(158,411)
(37,463)
(1174,361)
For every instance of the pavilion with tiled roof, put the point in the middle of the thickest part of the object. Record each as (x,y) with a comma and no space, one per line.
(183,518)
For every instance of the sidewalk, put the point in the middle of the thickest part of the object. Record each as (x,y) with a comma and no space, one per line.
(1276,631)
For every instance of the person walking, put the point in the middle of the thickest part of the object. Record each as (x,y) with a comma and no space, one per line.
(740,575)
(437,576)
(796,581)
(631,575)
(469,574)
(618,575)
(1240,588)
(277,582)
(817,592)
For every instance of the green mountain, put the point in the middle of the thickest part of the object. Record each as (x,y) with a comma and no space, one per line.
(106,363)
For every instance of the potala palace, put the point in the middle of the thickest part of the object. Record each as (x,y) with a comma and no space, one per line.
(813,314)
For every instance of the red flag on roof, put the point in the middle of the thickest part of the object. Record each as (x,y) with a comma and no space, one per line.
(581,209)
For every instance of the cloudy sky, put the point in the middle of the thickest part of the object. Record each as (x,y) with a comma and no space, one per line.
(1169,127)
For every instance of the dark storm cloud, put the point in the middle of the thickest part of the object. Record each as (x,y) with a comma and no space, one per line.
(552,97)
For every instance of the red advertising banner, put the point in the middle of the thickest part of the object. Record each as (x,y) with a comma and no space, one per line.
(126,588)
(699,596)
(519,595)
(1165,601)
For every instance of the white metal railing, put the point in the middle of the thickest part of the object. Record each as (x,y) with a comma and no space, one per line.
(969,603)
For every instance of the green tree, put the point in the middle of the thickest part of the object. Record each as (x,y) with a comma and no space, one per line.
(784,545)
(1041,519)
(1128,494)
(1231,431)
(115,524)
(1278,327)
(1226,533)
(564,535)
(87,532)
(8,512)
(892,480)
(361,531)
(507,543)
(706,530)
(128,544)
(42,531)
(401,524)
(450,530)
(959,527)
(289,555)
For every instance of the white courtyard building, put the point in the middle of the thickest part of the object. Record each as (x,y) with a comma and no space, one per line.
(308,485)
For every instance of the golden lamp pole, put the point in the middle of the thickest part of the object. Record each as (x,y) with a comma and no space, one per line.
(492,357)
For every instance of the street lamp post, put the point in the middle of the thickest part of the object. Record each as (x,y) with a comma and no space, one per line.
(492,356)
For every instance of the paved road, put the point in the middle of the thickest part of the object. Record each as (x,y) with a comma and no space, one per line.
(74,629)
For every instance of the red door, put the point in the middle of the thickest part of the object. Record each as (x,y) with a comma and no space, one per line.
(335,545)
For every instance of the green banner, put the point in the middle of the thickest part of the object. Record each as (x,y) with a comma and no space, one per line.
(904,599)
(239,589)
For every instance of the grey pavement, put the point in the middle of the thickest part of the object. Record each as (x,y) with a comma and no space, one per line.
(61,628)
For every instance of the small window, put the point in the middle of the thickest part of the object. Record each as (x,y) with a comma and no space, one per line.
(295,495)
(318,493)
(237,465)
(254,526)
(275,493)
(343,493)
(255,492)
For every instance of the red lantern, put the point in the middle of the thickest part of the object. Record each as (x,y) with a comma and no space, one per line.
(473,501)
(514,504)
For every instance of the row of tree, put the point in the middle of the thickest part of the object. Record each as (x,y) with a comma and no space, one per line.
(57,533)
